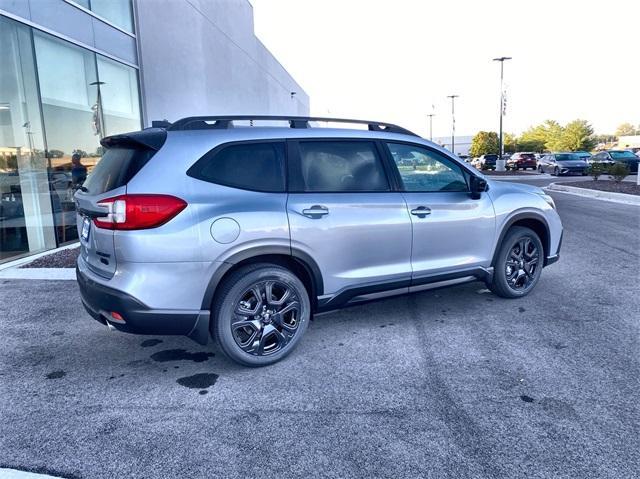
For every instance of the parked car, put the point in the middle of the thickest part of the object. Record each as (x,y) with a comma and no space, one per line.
(562,164)
(199,228)
(485,162)
(619,156)
(522,161)
(601,157)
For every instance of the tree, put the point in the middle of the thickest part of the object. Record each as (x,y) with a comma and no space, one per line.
(510,143)
(541,137)
(627,129)
(484,143)
(576,136)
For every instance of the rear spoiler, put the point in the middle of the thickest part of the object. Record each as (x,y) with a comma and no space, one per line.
(152,138)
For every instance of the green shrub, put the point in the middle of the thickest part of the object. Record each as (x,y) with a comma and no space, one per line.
(597,169)
(619,171)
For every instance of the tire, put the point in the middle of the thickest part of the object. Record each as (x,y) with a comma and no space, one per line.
(529,264)
(246,344)
(540,169)
(556,171)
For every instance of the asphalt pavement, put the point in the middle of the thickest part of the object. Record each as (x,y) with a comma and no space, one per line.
(451,383)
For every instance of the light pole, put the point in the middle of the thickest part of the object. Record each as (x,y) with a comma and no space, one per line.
(453,122)
(500,145)
(431,115)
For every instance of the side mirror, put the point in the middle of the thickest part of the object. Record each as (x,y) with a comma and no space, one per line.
(478,185)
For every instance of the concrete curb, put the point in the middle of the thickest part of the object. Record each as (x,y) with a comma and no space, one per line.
(597,194)
(56,274)
(28,259)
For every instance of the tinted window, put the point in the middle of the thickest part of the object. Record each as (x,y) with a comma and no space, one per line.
(567,157)
(618,155)
(425,170)
(491,157)
(250,166)
(339,166)
(116,167)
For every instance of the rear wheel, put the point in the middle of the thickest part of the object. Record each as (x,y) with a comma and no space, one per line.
(260,314)
(518,264)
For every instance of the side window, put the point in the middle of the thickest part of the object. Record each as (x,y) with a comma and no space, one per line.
(338,166)
(250,166)
(425,170)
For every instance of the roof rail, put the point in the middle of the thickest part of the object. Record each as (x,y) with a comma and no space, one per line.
(225,122)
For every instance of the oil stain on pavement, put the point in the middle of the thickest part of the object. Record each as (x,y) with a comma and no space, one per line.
(200,381)
(56,375)
(180,355)
(148,343)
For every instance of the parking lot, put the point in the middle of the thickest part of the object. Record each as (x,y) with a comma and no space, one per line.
(446,383)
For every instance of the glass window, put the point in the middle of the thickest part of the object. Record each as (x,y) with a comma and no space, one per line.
(117,12)
(339,166)
(426,170)
(119,95)
(25,208)
(251,166)
(116,168)
(72,121)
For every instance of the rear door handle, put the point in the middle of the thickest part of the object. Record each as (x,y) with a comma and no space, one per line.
(316,211)
(421,211)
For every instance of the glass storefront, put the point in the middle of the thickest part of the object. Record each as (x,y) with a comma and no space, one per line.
(117,12)
(57,101)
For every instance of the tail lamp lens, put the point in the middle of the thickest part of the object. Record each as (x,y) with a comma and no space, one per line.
(137,212)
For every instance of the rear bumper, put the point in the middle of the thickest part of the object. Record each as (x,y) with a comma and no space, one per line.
(100,301)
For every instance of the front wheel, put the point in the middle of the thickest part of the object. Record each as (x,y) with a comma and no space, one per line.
(519,263)
(260,314)
(556,171)
(540,169)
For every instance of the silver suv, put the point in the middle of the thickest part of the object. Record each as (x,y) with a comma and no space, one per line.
(214,226)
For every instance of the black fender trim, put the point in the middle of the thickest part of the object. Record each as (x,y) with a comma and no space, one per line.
(300,257)
(527,215)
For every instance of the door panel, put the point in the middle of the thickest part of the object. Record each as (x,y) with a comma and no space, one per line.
(451,231)
(360,237)
(458,233)
(343,213)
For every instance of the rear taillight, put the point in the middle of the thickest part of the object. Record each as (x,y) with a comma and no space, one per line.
(138,212)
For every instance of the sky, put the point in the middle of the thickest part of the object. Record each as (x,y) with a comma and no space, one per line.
(397,60)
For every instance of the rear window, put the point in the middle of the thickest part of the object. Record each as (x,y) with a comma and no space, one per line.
(249,166)
(528,156)
(116,168)
(491,157)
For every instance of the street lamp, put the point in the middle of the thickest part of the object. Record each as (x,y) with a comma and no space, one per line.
(453,122)
(431,115)
(500,145)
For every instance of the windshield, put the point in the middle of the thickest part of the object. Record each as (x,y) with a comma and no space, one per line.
(567,157)
(618,155)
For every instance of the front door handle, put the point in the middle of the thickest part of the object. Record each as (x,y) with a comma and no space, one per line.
(421,211)
(316,211)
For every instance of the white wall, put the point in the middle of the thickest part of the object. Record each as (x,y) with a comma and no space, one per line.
(201,57)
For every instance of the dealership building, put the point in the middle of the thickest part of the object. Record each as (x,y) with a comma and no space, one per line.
(75,71)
